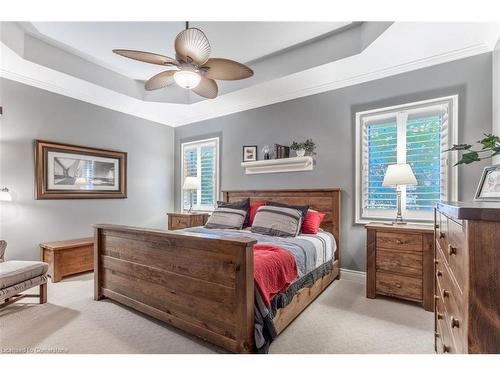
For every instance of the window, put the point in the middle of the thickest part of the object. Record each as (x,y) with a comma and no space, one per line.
(417,134)
(201,159)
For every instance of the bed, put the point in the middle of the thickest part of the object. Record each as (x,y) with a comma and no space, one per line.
(200,282)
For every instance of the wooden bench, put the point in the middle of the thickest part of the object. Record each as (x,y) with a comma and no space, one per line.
(68,257)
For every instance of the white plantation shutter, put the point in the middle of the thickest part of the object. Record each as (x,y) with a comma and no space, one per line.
(416,134)
(201,159)
(380,149)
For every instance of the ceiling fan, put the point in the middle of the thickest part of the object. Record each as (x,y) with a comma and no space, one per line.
(192,68)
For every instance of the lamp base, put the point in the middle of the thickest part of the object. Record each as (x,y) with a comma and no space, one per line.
(396,223)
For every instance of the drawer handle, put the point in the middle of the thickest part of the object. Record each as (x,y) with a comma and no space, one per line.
(455,323)
(452,250)
(446,294)
(436,334)
(436,297)
(441,235)
(446,349)
(439,273)
(399,242)
(398,285)
(440,316)
(436,261)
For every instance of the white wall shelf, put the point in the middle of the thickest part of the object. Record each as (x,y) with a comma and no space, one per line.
(296,164)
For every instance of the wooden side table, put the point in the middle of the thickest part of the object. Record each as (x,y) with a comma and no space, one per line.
(68,257)
(178,220)
(400,262)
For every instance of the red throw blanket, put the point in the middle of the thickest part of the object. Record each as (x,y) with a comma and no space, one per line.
(274,270)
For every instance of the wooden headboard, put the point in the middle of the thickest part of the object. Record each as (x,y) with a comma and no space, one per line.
(324,200)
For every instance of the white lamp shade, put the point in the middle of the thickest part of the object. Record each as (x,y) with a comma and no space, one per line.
(191,183)
(5,195)
(399,174)
(187,79)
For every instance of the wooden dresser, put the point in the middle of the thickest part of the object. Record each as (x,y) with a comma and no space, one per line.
(178,220)
(467,268)
(400,262)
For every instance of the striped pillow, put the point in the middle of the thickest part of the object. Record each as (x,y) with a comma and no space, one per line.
(226,218)
(277,221)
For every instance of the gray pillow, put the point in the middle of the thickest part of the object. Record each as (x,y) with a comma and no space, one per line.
(226,218)
(277,221)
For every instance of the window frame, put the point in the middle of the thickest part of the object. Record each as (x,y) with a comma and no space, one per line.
(199,143)
(396,112)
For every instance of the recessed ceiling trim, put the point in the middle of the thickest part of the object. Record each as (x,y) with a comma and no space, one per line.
(337,84)
(379,60)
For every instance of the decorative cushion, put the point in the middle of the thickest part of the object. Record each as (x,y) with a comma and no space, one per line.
(244,204)
(16,271)
(302,209)
(312,221)
(254,206)
(277,221)
(226,218)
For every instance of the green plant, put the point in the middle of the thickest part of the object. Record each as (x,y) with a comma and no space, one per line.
(309,146)
(490,144)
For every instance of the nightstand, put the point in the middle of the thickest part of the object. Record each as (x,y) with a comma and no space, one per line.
(400,262)
(178,220)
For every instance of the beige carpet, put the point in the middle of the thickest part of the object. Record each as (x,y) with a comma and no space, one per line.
(341,320)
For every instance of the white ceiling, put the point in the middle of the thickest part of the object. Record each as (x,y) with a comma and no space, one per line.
(240,41)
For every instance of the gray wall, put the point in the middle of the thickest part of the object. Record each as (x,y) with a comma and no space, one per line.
(31,113)
(328,119)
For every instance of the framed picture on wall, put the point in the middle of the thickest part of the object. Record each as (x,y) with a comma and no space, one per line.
(249,153)
(65,171)
(489,185)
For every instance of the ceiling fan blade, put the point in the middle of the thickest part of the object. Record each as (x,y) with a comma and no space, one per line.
(207,88)
(160,80)
(147,57)
(192,46)
(226,69)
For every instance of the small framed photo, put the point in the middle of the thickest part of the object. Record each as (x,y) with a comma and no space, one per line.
(249,153)
(489,185)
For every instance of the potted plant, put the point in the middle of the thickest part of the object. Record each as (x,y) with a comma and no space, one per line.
(303,148)
(490,145)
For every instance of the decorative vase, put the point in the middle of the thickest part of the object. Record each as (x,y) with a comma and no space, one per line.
(300,152)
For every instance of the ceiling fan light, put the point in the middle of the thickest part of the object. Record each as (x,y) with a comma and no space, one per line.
(187,79)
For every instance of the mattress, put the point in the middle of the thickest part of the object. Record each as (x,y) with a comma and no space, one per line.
(309,250)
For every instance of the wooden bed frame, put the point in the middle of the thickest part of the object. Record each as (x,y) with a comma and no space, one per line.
(202,284)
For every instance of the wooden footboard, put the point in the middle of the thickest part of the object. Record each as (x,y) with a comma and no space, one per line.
(201,284)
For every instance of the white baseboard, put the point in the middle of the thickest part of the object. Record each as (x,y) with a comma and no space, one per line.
(352,275)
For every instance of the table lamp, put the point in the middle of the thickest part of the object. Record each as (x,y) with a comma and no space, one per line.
(191,183)
(399,175)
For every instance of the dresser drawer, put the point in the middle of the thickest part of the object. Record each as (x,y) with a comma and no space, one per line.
(401,262)
(399,241)
(178,222)
(451,301)
(444,341)
(399,286)
(455,252)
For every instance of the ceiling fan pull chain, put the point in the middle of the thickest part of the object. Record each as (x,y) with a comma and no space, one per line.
(187,25)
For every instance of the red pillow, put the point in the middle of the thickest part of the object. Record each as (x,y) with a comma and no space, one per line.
(312,221)
(254,206)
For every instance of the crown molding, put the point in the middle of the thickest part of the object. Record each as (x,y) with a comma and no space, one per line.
(341,83)
(355,70)
(15,68)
